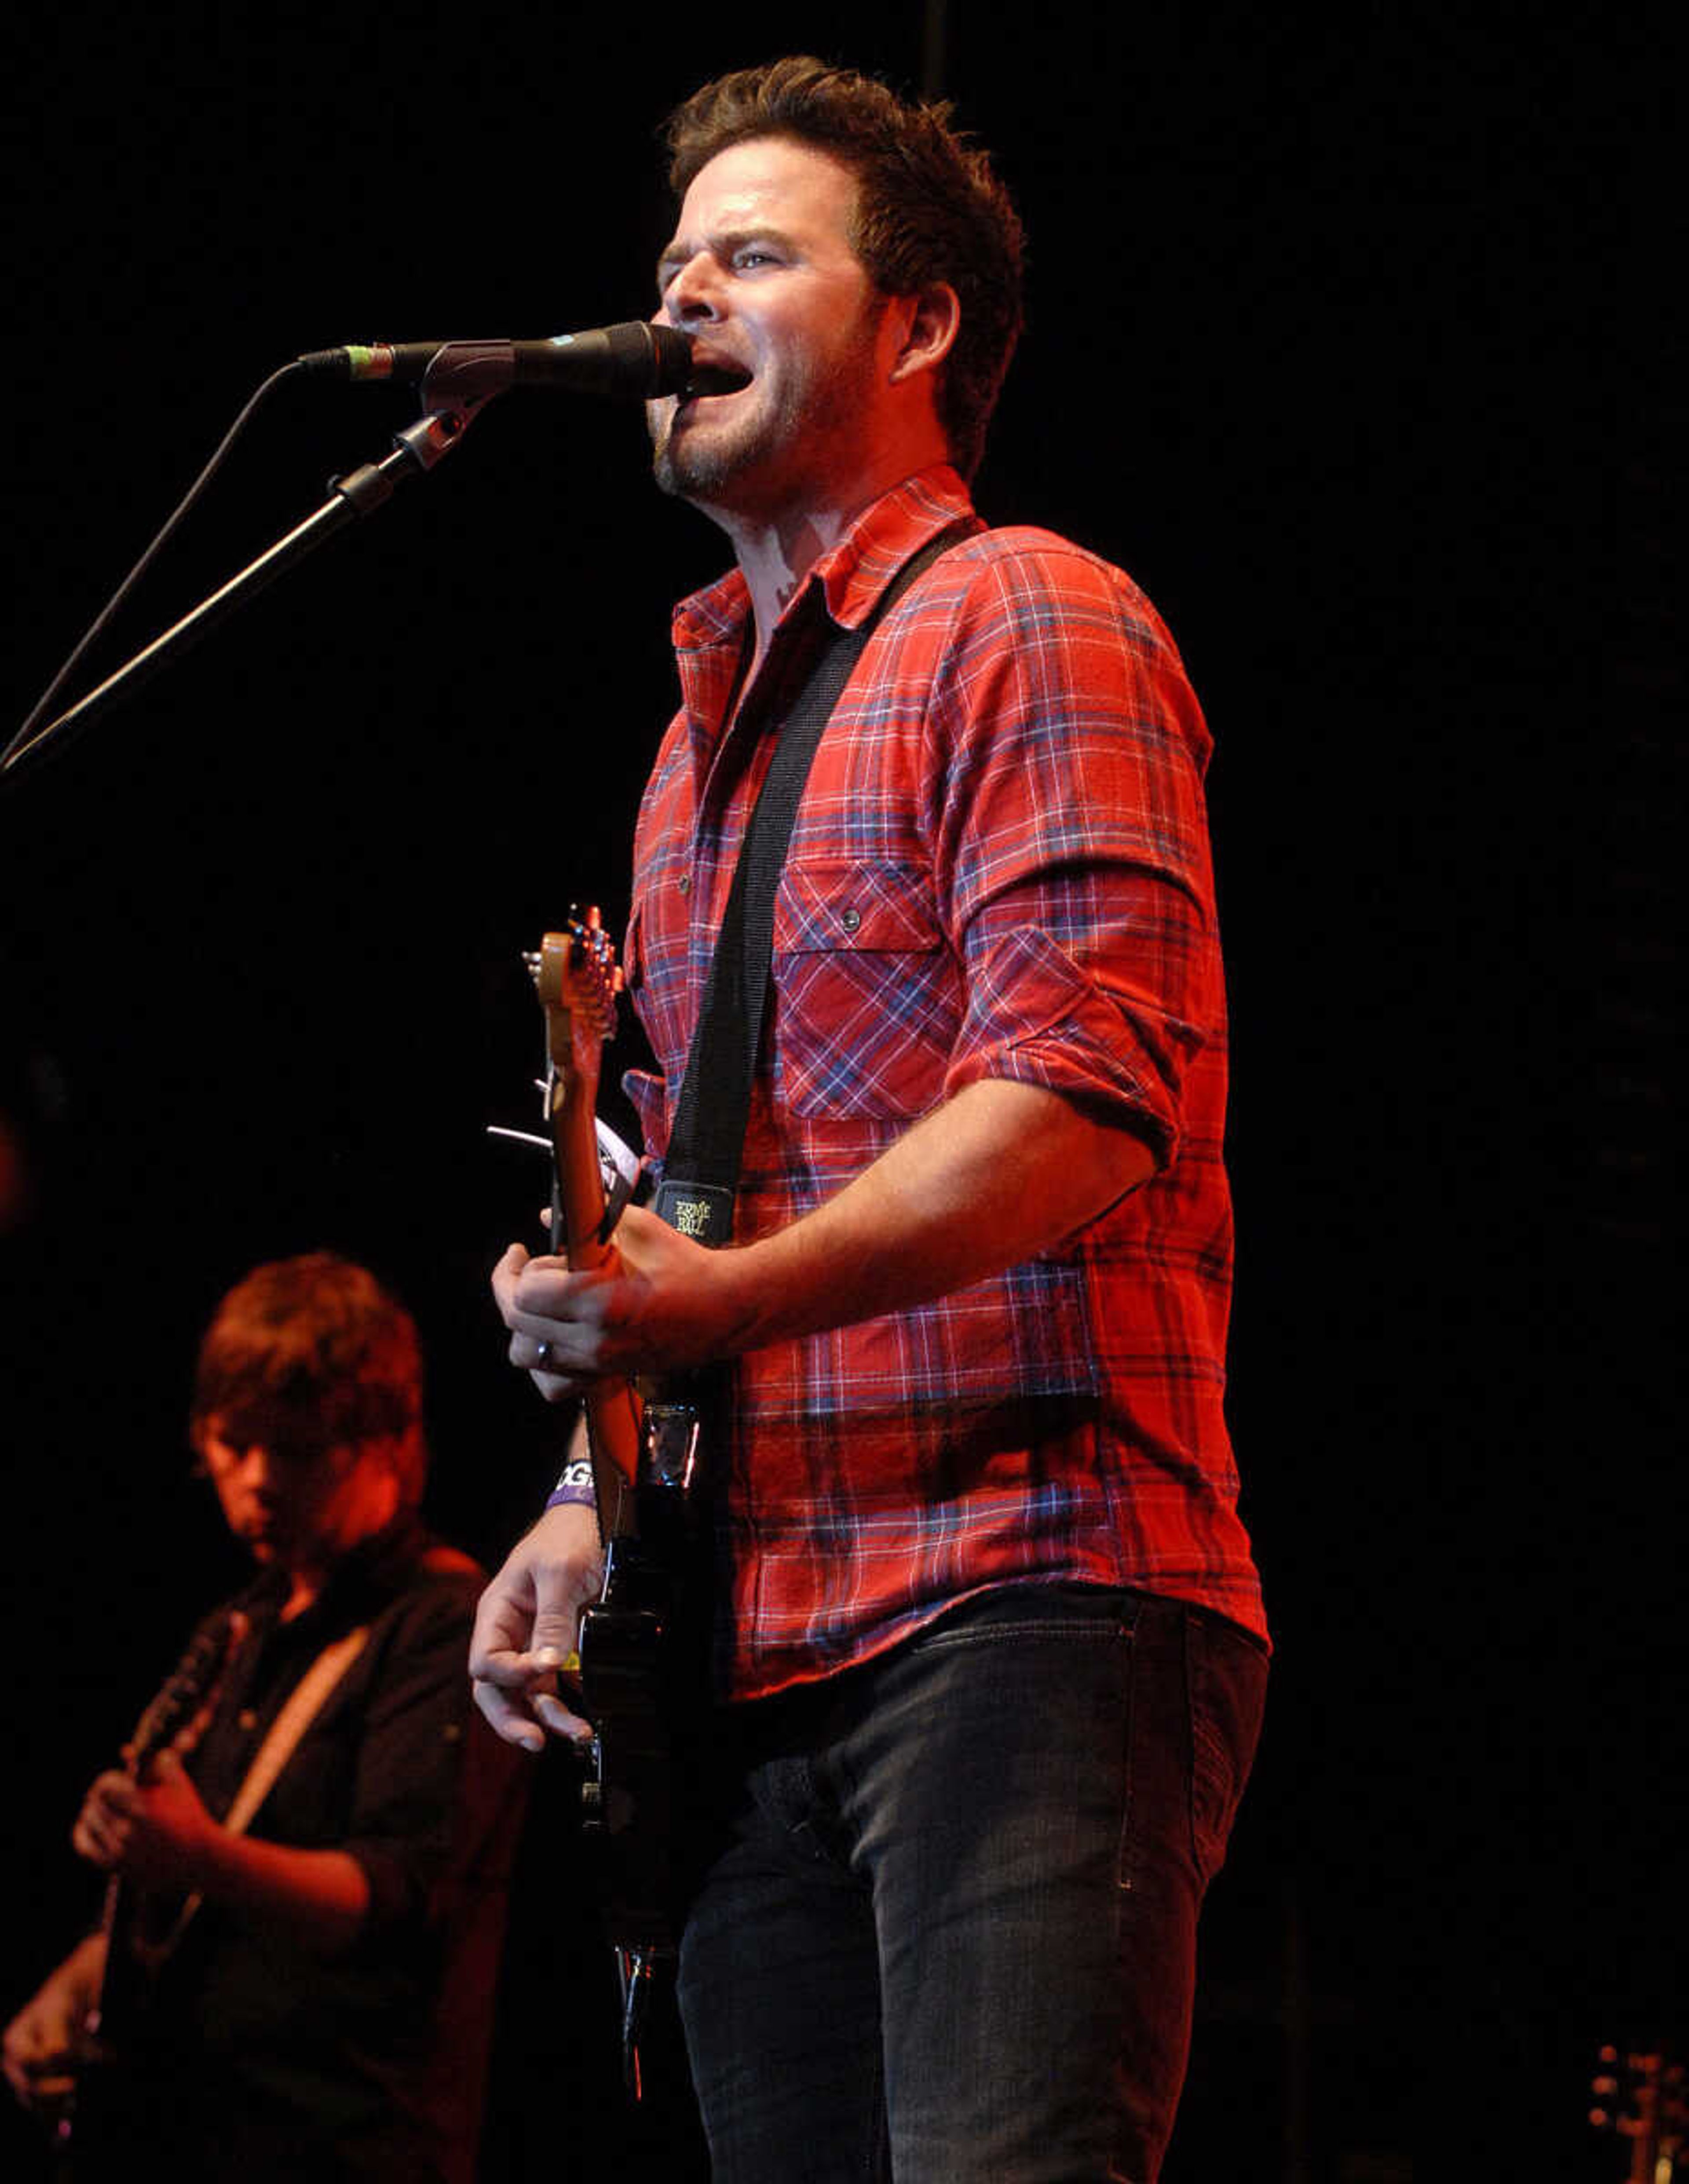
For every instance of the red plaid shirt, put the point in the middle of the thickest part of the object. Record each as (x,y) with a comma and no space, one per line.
(1000,868)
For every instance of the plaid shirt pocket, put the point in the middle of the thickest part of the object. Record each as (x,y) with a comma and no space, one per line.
(867,999)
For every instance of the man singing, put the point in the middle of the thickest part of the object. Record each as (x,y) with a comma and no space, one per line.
(989,1647)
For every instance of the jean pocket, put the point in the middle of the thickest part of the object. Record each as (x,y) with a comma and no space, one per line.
(1226,1682)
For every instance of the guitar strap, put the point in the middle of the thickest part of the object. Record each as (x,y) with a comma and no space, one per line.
(706,1143)
(304,1703)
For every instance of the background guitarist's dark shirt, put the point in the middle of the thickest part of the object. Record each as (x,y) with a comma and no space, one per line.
(256,2056)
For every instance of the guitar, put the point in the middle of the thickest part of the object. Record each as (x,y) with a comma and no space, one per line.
(139,1930)
(644,1456)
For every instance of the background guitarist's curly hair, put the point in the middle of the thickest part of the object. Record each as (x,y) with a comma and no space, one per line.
(310,1354)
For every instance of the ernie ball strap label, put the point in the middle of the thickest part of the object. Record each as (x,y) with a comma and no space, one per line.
(702,1211)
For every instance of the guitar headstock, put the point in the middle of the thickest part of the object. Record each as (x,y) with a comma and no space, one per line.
(1643,2096)
(577,978)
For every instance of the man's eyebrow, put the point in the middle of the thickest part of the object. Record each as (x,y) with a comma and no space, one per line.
(722,245)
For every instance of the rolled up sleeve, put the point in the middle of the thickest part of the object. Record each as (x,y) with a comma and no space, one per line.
(1067,754)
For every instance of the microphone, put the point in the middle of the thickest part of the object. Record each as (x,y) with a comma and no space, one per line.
(633,358)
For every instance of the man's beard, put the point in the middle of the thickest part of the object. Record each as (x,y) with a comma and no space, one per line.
(820,406)
(701,466)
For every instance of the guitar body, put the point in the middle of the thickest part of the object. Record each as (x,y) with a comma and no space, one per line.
(627,1800)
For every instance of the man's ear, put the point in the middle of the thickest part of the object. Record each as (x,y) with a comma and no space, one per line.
(929,332)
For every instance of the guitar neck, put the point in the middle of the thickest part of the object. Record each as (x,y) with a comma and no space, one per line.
(612,1408)
(174,1720)
(577,1201)
(112,1912)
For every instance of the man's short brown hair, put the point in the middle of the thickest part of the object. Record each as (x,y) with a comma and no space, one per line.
(316,1350)
(929,208)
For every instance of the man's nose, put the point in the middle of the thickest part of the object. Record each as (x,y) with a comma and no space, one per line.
(694,293)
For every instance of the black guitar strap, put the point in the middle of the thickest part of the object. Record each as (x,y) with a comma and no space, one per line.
(707,1142)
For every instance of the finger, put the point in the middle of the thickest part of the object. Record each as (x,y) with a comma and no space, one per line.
(550,1288)
(508,1717)
(509,1669)
(557,1718)
(544,1348)
(505,1278)
(525,1621)
(503,1616)
(549,1361)
(520,1698)
(90,1842)
(523,1281)
(113,1832)
(99,1810)
(22,2081)
(557,1389)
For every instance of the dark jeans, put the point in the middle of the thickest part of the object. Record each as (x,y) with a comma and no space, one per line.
(948,1931)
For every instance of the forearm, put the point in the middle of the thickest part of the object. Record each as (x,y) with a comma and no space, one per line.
(85,1966)
(320,1897)
(1003,1171)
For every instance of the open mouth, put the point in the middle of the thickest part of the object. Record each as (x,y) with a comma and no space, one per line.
(715,378)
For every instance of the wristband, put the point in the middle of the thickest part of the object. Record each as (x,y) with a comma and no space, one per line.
(574,1486)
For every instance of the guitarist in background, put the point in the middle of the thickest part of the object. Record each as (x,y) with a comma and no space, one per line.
(299,1976)
(990,1649)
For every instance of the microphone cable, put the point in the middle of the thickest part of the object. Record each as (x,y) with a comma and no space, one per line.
(24,740)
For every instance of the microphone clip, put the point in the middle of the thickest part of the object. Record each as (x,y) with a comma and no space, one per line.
(465,374)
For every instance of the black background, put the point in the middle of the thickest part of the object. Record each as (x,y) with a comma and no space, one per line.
(1344,338)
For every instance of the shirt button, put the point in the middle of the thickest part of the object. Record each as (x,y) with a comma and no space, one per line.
(684,884)
(851,920)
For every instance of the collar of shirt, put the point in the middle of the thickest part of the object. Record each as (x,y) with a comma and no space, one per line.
(853,573)
(711,629)
(374,1571)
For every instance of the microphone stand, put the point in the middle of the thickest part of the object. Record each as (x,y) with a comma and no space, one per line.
(470,375)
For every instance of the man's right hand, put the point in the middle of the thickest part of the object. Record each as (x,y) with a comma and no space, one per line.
(522,1651)
(44,2041)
